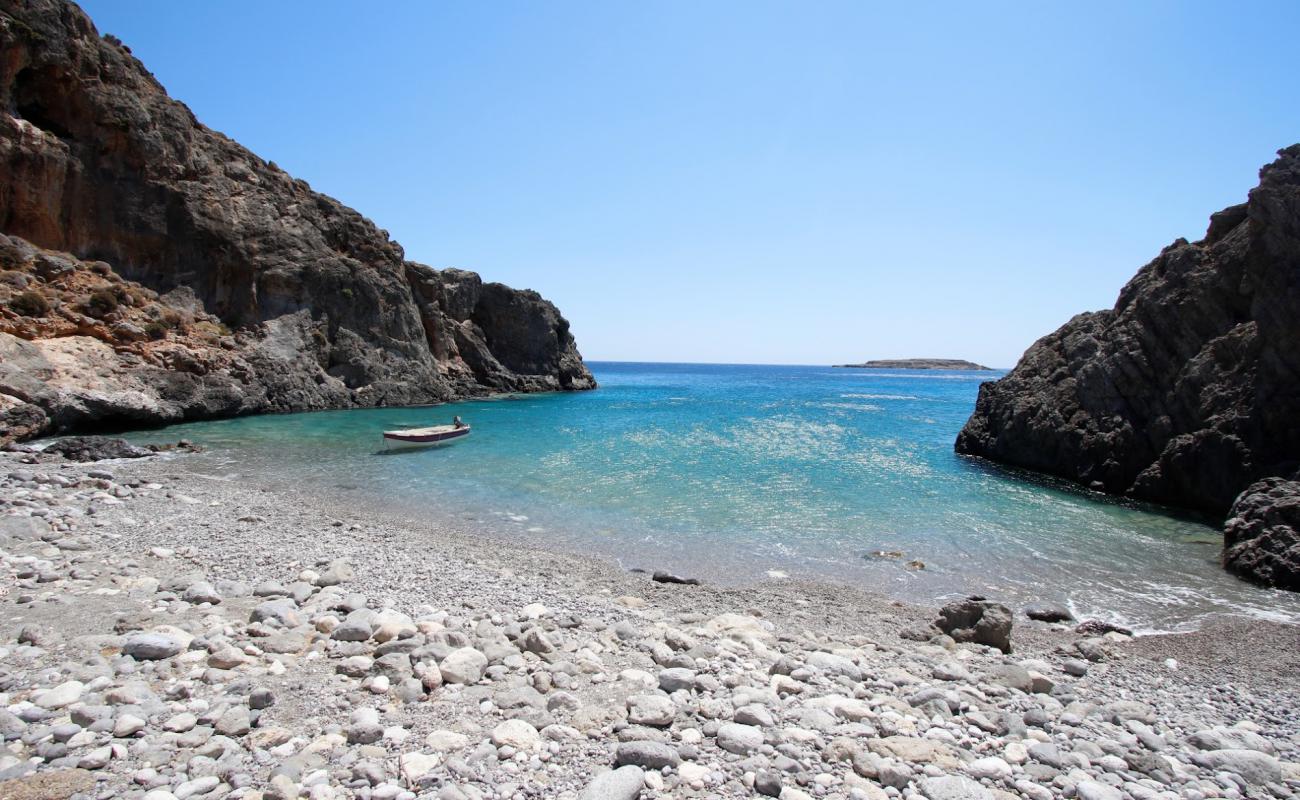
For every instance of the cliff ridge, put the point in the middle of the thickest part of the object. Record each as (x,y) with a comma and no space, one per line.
(1186,392)
(101,170)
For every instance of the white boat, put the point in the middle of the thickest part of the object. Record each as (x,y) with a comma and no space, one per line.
(437,434)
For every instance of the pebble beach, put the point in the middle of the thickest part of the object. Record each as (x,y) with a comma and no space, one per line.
(169,634)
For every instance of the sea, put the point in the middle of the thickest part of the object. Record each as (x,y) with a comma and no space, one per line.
(740,473)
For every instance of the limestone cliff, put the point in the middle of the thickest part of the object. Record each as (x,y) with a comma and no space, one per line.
(97,163)
(1188,390)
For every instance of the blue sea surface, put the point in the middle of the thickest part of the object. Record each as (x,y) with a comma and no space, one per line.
(737,473)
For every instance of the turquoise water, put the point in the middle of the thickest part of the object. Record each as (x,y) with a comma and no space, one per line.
(736,473)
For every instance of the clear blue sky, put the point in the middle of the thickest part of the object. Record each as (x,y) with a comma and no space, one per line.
(751,181)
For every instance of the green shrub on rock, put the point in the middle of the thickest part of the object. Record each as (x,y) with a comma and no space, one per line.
(101,303)
(30,304)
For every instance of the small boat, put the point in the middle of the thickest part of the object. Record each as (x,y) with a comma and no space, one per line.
(437,434)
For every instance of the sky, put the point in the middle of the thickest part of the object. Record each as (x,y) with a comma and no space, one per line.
(757,182)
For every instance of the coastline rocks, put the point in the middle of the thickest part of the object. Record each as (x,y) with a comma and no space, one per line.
(230,287)
(1097,627)
(979,621)
(1184,393)
(1261,539)
(95,448)
(1048,612)
(660,576)
(721,694)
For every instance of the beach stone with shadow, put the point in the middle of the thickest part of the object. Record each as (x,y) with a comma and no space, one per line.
(1048,612)
(979,621)
(647,754)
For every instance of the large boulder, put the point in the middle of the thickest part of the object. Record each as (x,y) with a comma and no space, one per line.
(96,448)
(979,621)
(1186,391)
(1261,540)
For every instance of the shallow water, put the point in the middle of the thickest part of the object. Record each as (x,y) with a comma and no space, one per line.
(734,472)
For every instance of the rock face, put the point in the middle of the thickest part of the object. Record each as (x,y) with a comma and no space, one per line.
(1188,390)
(1261,539)
(264,295)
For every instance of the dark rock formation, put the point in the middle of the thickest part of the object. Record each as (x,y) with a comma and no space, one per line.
(1096,627)
(1048,612)
(660,576)
(1261,540)
(916,363)
(977,620)
(487,334)
(99,166)
(96,448)
(1188,390)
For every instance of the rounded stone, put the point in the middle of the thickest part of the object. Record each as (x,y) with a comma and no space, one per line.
(515,733)
(739,739)
(464,665)
(151,646)
(624,783)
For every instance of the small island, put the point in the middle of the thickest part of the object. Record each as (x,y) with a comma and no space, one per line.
(916,363)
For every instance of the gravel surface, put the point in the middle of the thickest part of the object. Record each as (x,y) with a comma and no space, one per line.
(166,634)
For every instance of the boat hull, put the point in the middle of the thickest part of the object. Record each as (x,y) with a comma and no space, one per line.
(422,439)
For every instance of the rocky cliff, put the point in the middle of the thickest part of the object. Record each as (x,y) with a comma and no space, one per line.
(303,303)
(1261,539)
(1188,390)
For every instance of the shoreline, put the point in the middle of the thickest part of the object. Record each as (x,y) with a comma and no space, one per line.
(884,737)
(774,597)
(499,522)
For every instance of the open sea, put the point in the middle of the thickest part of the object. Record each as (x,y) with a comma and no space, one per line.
(738,473)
